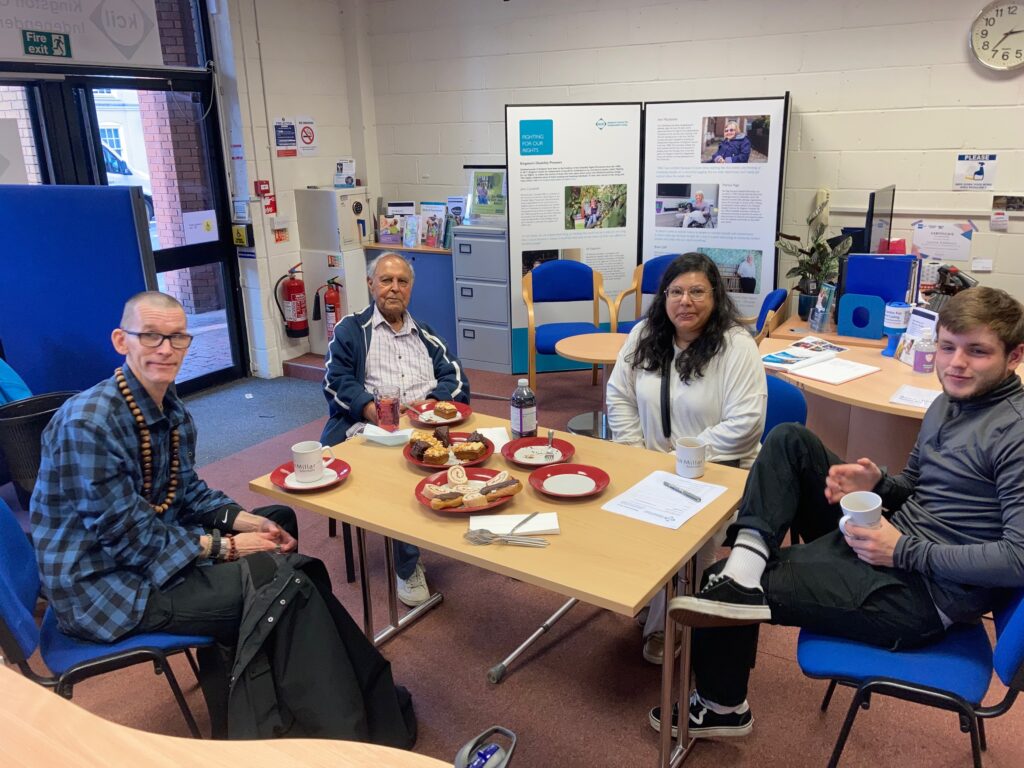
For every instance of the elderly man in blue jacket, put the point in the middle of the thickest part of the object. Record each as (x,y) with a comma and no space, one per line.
(383,345)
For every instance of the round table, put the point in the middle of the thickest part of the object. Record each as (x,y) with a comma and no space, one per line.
(600,349)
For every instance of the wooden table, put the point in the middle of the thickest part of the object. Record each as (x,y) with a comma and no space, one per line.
(601,558)
(38,727)
(856,419)
(597,349)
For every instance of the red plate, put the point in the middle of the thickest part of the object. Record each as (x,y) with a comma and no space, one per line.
(416,411)
(279,475)
(508,450)
(440,478)
(568,472)
(456,437)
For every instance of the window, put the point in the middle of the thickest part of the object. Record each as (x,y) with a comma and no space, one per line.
(111,138)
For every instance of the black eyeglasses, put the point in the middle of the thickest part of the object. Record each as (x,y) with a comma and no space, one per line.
(154,340)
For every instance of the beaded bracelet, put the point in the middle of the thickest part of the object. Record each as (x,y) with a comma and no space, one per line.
(232,549)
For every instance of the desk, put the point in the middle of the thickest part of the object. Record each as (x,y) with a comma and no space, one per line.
(794,331)
(38,727)
(579,562)
(595,348)
(856,419)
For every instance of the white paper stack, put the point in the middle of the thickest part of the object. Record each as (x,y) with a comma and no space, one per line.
(375,434)
(497,435)
(544,523)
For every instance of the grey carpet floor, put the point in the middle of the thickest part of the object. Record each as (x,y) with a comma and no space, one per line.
(234,416)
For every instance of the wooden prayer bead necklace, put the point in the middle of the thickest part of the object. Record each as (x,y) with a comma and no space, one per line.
(147,450)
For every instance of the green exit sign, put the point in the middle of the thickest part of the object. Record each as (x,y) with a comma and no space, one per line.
(56,44)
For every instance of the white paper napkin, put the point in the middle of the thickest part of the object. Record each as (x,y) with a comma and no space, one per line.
(544,523)
(497,435)
(375,434)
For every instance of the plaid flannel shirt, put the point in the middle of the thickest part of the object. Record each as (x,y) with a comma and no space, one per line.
(100,547)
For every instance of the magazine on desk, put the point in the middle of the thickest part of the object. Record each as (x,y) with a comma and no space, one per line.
(810,350)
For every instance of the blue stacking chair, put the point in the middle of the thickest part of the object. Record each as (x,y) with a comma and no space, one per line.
(69,659)
(953,673)
(770,315)
(646,279)
(785,403)
(561,281)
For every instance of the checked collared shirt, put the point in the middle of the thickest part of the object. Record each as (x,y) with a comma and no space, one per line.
(100,547)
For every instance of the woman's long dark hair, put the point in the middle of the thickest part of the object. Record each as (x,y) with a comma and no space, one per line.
(655,350)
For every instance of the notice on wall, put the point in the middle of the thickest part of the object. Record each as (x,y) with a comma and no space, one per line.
(200,227)
(308,143)
(285,142)
(12,158)
(573,194)
(104,32)
(942,241)
(711,184)
(974,172)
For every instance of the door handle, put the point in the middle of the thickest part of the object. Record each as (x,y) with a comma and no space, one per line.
(466,292)
(468,333)
(465,248)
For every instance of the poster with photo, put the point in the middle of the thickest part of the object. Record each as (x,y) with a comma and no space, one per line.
(487,193)
(712,181)
(573,194)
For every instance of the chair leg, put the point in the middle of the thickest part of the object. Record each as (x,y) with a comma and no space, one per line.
(332,527)
(192,662)
(179,697)
(844,733)
(350,561)
(828,694)
(975,740)
(981,734)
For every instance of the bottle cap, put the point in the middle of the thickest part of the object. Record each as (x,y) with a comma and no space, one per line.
(524,382)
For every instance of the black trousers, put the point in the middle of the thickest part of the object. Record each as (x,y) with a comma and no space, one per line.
(821,585)
(209,602)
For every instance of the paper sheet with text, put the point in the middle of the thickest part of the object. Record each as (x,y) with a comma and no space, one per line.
(652,501)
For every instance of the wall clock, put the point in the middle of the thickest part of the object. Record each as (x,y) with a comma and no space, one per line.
(997,35)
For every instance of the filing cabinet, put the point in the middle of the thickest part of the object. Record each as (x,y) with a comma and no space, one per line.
(482,310)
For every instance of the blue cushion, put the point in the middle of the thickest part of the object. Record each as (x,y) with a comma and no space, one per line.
(563,281)
(626,326)
(785,403)
(654,270)
(1009,654)
(550,334)
(772,302)
(960,663)
(60,652)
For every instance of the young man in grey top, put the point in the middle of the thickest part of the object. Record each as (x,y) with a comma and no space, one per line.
(950,545)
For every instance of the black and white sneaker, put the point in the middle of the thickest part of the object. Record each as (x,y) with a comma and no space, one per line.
(721,603)
(705,723)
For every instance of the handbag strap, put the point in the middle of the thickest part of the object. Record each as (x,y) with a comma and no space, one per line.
(666,411)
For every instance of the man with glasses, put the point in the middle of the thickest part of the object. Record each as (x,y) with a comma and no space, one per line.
(130,540)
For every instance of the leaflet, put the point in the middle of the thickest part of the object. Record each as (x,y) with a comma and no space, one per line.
(810,350)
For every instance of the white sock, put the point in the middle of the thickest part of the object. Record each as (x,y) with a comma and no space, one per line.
(748,559)
(722,710)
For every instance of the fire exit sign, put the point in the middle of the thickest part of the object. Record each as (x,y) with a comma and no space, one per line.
(56,44)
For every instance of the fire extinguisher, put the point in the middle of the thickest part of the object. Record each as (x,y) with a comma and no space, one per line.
(334,309)
(294,310)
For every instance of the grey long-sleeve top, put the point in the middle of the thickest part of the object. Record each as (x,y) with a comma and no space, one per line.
(960,501)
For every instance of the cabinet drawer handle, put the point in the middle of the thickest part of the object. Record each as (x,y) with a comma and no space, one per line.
(465,248)
(468,333)
(466,292)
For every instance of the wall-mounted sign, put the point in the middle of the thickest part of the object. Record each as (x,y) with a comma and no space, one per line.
(106,32)
(284,137)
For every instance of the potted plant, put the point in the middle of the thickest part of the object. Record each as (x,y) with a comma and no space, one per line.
(817,262)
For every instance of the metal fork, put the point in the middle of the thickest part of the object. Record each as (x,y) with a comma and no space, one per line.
(482,536)
(549,454)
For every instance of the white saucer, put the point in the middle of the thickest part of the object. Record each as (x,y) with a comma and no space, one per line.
(328,477)
(570,485)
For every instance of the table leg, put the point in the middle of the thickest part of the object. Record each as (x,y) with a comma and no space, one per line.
(594,423)
(672,755)
(396,624)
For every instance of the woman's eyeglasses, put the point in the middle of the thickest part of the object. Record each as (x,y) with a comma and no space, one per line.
(697,295)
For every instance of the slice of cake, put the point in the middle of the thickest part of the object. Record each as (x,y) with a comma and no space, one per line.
(445,410)
(468,451)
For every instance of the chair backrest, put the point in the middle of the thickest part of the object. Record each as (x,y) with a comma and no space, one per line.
(785,403)
(19,588)
(1008,659)
(653,270)
(562,281)
(772,302)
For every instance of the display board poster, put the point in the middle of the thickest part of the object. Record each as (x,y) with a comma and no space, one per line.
(574,190)
(712,181)
(105,32)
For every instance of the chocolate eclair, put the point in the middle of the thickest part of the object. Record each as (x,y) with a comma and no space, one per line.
(508,487)
(446,500)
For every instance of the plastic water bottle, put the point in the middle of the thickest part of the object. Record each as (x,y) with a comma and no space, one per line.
(524,411)
(924,353)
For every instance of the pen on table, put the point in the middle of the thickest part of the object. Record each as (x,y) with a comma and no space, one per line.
(686,493)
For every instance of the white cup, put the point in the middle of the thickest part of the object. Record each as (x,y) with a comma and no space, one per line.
(862,508)
(691,454)
(309,460)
